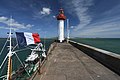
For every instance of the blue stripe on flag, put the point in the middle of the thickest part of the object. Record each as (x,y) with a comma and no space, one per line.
(21,39)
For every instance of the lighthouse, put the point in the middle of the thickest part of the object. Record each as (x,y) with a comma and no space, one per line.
(61,18)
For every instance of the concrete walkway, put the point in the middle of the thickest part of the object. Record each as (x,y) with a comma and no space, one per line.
(68,63)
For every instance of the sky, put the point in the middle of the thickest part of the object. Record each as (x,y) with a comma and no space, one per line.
(87,18)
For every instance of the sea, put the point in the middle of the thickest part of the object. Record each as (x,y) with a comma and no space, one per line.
(109,44)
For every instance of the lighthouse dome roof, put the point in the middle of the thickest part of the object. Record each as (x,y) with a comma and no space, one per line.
(61,15)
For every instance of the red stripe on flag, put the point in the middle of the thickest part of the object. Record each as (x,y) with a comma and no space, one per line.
(36,37)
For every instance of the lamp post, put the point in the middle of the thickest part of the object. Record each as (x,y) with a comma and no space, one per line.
(68,31)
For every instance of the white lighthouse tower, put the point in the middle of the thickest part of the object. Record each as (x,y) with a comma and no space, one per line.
(61,18)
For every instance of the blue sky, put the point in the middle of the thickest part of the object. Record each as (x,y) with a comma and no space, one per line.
(88,18)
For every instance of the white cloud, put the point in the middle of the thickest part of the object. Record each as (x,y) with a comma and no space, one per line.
(3,27)
(15,25)
(3,18)
(40,14)
(54,16)
(107,26)
(45,11)
(80,9)
(108,29)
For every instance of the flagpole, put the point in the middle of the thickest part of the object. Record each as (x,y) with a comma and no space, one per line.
(9,76)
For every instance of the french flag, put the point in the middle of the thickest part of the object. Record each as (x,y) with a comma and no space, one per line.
(25,38)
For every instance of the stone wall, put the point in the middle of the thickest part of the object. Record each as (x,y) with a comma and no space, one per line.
(109,59)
